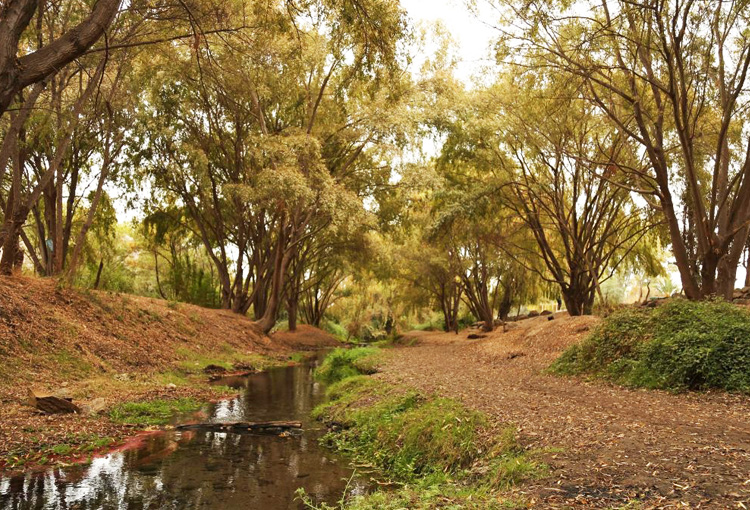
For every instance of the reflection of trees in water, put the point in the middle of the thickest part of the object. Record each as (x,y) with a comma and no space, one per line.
(202,469)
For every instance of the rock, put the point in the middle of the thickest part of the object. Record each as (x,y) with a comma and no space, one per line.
(474,336)
(122,377)
(514,355)
(171,386)
(545,313)
(551,318)
(533,313)
(96,406)
(63,393)
(508,326)
(50,404)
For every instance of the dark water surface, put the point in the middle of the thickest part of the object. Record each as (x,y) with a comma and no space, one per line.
(201,469)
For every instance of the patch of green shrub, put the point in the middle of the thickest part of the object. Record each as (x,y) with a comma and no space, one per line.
(343,363)
(680,345)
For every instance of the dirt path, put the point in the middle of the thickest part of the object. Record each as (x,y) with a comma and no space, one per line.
(612,444)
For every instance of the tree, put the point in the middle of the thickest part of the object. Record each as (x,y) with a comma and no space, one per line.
(580,211)
(269,147)
(670,76)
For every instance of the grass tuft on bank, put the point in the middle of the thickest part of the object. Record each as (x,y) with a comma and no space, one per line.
(680,345)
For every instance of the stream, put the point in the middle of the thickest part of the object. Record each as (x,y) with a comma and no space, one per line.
(203,469)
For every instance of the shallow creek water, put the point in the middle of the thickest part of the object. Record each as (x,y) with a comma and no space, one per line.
(201,469)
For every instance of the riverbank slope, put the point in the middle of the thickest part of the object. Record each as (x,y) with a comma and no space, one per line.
(102,349)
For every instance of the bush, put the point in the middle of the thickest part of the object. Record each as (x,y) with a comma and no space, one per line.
(676,346)
(343,363)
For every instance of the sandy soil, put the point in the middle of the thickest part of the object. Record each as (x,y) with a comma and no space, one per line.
(605,445)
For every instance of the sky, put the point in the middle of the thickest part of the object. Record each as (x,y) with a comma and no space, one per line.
(472,35)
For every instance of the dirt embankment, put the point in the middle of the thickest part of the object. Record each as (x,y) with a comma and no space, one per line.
(110,348)
(608,446)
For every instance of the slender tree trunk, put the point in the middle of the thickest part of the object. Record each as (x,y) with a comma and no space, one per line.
(292,305)
(99,274)
(81,238)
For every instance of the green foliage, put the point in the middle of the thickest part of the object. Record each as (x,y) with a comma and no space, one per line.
(342,363)
(677,346)
(155,412)
(335,329)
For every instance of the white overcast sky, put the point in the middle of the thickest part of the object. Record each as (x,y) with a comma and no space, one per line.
(472,35)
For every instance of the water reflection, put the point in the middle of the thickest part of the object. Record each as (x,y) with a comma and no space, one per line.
(189,469)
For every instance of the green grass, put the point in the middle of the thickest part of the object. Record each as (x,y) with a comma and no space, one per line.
(342,363)
(438,452)
(680,345)
(155,412)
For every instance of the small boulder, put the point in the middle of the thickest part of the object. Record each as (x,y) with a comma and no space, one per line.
(545,313)
(533,313)
(171,386)
(96,406)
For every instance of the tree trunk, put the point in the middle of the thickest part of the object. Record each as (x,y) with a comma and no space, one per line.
(268,321)
(99,274)
(17,73)
(292,306)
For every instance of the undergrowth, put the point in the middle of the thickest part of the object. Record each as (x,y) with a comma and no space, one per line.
(680,345)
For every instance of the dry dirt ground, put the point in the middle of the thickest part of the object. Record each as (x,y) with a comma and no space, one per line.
(115,347)
(606,446)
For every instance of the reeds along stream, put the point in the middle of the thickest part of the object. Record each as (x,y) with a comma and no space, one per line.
(192,469)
